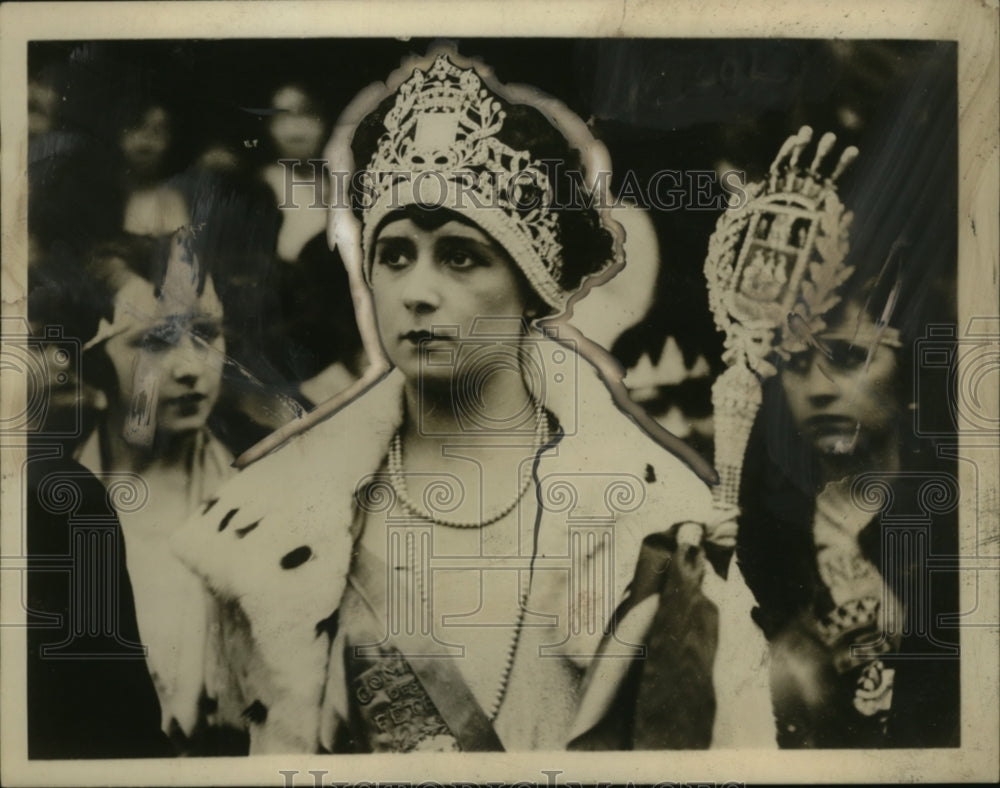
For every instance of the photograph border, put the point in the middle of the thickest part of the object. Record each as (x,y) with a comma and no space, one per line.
(972,23)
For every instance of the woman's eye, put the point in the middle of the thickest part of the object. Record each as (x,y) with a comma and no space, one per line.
(461,260)
(799,363)
(207,332)
(847,355)
(155,342)
(458,255)
(392,256)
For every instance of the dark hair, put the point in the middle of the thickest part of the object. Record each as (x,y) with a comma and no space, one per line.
(61,295)
(883,279)
(145,256)
(587,245)
(890,286)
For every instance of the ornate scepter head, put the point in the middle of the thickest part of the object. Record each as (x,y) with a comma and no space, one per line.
(774,266)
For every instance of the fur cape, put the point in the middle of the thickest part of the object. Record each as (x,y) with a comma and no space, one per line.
(275,547)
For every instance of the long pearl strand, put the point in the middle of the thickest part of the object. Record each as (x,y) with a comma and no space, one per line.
(398,480)
(515,637)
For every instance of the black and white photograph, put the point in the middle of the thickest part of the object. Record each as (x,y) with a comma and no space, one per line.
(609,393)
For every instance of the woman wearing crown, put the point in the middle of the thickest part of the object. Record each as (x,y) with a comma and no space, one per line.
(442,564)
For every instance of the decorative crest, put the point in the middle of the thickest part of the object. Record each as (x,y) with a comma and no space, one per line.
(775,262)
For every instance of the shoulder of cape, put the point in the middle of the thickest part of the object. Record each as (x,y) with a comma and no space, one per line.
(289,513)
(609,438)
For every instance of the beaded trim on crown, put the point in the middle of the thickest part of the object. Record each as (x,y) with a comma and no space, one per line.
(440,149)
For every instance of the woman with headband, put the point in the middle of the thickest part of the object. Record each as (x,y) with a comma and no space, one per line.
(444,562)
(157,361)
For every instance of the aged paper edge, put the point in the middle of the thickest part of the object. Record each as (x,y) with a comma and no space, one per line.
(973,24)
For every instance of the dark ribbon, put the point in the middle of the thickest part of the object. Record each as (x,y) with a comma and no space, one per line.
(666,700)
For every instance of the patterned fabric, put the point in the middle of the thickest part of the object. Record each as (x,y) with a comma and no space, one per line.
(831,686)
(394,709)
(388,709)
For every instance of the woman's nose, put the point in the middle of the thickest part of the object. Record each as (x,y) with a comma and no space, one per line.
(421,288)
(187,361)
(821,384)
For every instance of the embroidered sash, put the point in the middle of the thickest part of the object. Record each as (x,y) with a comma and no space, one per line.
(406,691)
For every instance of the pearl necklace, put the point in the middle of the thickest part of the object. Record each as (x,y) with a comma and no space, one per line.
(398,480)
(501,692)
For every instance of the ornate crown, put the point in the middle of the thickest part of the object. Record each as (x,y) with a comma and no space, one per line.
(444,121)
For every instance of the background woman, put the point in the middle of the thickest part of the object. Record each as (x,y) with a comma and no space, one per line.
(158,357)
(860,658)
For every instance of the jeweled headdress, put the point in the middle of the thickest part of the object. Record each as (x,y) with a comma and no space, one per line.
(440,148)
(774,266)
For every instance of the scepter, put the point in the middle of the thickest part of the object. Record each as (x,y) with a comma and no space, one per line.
(773,267)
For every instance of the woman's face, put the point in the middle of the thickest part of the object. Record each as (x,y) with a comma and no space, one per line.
(838,398)
(170,364)
(430,286)
(145,144)
(297,130)
(43,106)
